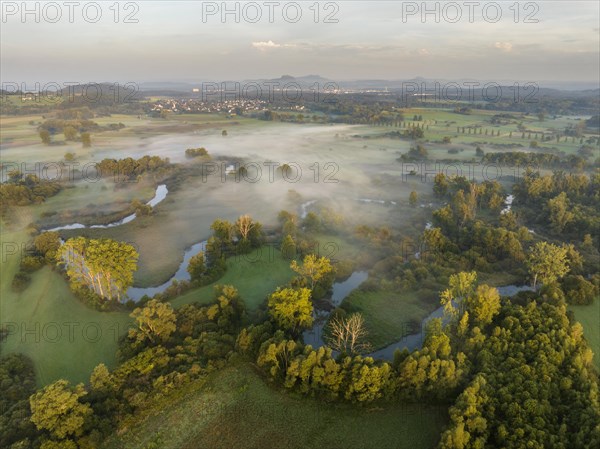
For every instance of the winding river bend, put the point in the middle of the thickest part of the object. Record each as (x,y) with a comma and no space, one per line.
(136,293)
(159,195)
(341,290)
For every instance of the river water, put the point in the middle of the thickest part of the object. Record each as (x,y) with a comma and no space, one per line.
(136,293)
(340,290)
(314,336)
(159,195)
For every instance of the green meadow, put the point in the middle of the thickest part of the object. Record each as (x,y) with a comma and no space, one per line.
(365,167)
(234,408)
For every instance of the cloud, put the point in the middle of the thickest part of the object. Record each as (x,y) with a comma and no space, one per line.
(265,45)
(504,46)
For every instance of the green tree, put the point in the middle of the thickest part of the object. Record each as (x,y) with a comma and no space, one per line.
(578,290)
(288,247)
(156,321)
(483,305)
(313,268)
(197,267)
(440,185)
(69,157)
(70,133)
(58,410)
(413,198)
(560,216)
(104,266)
(86,140)
(141,209)
(47,244)
(547,262)
(45,136)
(460,287)
(223,230)
(100,378)
(229,308)
(291,309)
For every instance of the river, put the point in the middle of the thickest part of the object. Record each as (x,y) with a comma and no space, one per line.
(341,290)
(159,195)
(136,293)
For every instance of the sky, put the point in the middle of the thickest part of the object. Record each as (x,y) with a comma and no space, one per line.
(342,40)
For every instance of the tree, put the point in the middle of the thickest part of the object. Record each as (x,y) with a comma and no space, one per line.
(313,268)
(69,157)
(413,198)
(547,262)
(141,209)
(17,384)
(155,322)
(100,378)
(288,247)
(47,244)
(197,267)
(460,287)
(104,266)
(495,202)
(348,335)
(45,136)
(578,290)
(229,308)
(69,132)
(86,140)
(559,213)
(244,225)
(223,230)
(440,185)
(311,222)
(196,152)
(291,309)
(57,409)
(483,305)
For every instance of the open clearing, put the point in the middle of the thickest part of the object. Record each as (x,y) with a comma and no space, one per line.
(63,337)
(255,275)
(589,317)
(234,409)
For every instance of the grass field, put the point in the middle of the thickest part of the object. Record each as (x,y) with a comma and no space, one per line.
(234,409)
(255,275)
(63,337)
(589,317)
(367,168)
(387,314)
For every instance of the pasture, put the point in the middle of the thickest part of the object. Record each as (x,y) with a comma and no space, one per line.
(234,408)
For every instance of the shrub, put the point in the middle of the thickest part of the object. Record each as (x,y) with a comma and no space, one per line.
(20,282)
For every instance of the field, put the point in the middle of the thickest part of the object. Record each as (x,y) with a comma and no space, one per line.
(63,337)
(388,316)
(234,408)
(255,275)
(589,317)
(341,164)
